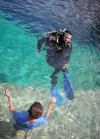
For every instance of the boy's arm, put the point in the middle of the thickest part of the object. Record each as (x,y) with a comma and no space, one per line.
(11,107)
(52,102)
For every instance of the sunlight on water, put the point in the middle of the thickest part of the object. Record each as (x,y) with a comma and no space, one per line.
(26,73)
(21,64)
(76,119)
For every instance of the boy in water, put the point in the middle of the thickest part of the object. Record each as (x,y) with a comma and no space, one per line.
(31,118)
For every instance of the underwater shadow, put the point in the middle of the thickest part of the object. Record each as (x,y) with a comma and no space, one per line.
(3,78)
(6,130)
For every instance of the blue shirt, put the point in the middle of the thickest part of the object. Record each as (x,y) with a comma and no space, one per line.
(22,122)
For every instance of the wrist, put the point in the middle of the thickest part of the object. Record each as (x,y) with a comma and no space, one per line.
(51,103)
(9,97)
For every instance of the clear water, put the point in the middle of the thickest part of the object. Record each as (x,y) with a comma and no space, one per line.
(21,64)
(26,72)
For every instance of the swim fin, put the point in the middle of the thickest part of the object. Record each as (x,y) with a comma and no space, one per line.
(55,93)
(70,94)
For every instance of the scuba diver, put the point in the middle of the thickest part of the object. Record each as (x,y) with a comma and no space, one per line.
(32,118)
(58,52)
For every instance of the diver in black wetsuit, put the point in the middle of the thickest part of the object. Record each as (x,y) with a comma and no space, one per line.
(58,51)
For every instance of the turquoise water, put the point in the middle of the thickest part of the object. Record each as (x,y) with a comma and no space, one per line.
(26,74)
(20,63)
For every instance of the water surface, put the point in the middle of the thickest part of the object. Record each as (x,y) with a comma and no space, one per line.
(26,73)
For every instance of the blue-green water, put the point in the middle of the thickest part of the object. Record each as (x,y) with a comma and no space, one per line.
(21,64)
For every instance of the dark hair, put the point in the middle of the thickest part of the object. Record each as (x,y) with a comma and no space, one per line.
(36,110)
(68,31)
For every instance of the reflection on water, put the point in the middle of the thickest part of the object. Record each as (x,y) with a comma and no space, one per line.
(40,16)
(76,119)
(95,35)
(21,64)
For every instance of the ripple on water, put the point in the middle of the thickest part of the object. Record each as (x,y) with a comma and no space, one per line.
(76,119)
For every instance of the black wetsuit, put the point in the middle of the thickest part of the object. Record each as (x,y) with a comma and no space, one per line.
(57,51)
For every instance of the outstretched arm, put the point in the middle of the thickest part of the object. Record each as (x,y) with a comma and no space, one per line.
(40,42)
(52,102)
(11,107)
(44,39)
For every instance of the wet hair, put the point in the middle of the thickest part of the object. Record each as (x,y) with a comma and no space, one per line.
(67,31)
(36,110)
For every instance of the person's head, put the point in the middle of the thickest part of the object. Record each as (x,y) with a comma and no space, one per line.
(36,110)
(67,35)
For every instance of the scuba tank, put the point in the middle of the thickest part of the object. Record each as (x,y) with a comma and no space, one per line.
(56,38)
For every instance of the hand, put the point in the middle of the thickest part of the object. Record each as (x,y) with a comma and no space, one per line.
(7,93)
(65,67)
(53,100)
